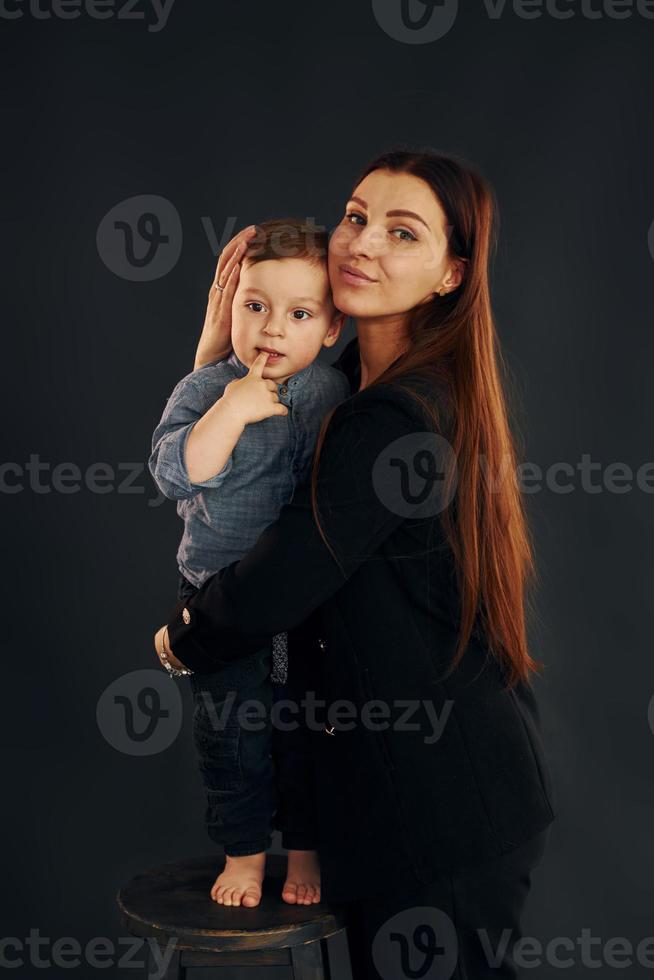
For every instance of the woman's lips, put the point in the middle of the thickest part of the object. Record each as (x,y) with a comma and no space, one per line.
(354,278)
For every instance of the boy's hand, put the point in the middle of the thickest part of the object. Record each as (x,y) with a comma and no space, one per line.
(216,340)
(253,397)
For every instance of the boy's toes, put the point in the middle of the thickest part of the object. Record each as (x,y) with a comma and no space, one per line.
(237,895)
(289,892)
(251,897)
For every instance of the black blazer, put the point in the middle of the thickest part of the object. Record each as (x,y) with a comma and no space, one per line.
(400,804)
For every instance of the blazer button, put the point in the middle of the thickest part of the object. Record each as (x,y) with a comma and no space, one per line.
(186,616)
(322,643)
(329,731)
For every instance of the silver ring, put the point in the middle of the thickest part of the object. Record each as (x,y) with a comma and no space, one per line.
(219,287)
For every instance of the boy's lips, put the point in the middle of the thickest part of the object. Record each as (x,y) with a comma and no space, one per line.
(270,350)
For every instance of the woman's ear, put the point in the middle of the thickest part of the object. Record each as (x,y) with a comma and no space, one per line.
(452,279)
(456,274)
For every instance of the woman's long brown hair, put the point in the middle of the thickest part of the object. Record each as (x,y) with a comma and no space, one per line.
(453,338)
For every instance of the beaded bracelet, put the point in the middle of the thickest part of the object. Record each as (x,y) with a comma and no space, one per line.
(163,656)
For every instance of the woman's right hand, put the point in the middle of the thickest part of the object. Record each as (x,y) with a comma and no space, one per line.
(216,339)
(253,397)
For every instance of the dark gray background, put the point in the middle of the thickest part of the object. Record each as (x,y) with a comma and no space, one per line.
(237,112)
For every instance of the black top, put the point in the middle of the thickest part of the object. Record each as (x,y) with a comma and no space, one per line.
(457,775)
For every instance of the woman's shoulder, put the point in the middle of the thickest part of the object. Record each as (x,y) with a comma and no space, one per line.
(427,385)
(423,397)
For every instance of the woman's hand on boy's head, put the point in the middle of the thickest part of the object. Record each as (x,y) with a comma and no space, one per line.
(216,339)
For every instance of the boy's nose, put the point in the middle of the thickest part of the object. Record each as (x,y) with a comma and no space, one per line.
(273,328)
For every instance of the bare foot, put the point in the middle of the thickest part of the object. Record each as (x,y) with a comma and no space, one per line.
(241,880)
(302,885)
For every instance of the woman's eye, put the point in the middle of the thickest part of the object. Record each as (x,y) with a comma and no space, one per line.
(300,314)
(405,231)
(353,214)
(251,306)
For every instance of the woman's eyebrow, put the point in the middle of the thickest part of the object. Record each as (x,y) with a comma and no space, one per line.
(398,213)
(407,214)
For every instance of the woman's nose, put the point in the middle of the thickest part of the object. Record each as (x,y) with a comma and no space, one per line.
(370,241)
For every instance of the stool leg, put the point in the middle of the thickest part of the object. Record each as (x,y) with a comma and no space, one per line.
(307,962)
(336,957)
(174,969)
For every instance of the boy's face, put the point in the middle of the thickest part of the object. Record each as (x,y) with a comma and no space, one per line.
(284,305)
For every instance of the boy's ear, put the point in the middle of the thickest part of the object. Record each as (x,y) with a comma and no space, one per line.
(335,327)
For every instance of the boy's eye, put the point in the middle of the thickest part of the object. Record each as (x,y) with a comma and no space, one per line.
(301,314)
(253,304)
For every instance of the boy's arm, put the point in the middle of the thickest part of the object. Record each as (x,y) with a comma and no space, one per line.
(211,441)
(192,445)
(185,409)
(245,400)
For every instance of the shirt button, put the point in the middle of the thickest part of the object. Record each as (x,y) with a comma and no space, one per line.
(322,643)
(283,390)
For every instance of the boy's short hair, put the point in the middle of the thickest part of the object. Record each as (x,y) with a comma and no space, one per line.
(288,238)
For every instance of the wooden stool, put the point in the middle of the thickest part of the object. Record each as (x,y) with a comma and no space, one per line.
(171,904)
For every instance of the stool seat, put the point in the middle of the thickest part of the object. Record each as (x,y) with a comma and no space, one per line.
(171,904)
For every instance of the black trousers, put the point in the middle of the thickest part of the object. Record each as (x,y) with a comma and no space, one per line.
(461,926)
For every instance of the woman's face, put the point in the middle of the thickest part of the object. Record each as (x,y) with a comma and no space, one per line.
(390,251)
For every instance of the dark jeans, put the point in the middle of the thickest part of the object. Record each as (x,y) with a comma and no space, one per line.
(461,926)
(257,776)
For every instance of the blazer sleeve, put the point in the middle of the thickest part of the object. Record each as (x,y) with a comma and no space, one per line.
(289,571)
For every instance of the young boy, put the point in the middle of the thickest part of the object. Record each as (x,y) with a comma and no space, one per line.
(235,438)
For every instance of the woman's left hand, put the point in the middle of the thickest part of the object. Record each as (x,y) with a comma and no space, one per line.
(161,638)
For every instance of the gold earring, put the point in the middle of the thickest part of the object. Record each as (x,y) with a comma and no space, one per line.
(441,291)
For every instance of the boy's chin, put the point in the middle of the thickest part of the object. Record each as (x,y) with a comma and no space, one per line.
(275,372)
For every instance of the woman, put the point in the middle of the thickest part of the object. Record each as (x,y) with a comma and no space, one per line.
(406,560)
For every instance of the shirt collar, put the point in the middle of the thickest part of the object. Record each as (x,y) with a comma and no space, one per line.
(294,384)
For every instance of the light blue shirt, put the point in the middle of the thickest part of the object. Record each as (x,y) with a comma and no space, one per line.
(224,515)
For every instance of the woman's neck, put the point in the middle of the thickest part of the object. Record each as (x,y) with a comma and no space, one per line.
(381,341)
